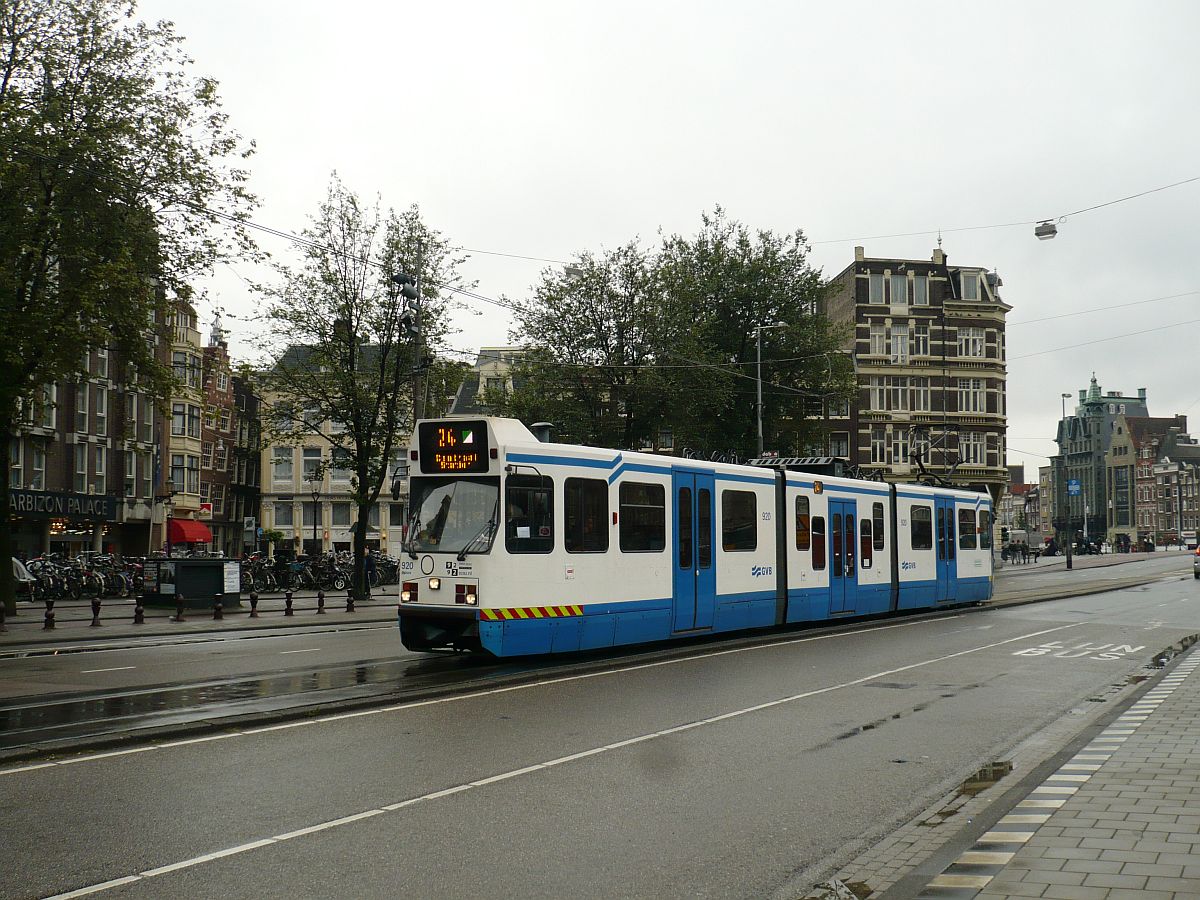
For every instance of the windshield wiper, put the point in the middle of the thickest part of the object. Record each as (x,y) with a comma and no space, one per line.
(409,546)
(485,531)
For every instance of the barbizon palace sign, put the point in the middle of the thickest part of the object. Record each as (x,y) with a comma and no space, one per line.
(51,505)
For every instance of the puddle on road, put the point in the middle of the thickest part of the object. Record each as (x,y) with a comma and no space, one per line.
(975,785)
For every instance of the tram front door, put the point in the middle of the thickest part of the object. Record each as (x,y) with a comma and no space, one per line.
(695,580)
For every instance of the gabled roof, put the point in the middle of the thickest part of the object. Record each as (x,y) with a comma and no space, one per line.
(1144,429)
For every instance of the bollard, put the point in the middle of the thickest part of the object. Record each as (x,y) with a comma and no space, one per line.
(287,604)
(320,603)
(350,600)
(49,621)
(139,612)
(254,604)
(178,608)
(218,608)
(96,613)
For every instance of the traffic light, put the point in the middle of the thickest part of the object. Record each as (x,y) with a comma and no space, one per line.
(408,285)
(1003,534)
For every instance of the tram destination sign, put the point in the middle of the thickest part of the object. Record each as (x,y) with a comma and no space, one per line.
(456,446)
(53,505)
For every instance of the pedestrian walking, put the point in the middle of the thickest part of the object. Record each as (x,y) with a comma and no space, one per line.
(1024,553)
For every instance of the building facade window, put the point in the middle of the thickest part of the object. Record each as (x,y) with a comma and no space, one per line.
(147,472)
(79,482)
(193,421)
(16,463)
(284,514)
(920,290)
(877,400)
(875,292)
(899,290)
(281,463)
(101,411)
(878,342)
(971,447)
(81,409)
(970,342)
(178,418)
(206,455)
(879,445)
(102,362)
(971,395)
(920,339)
(178,470)
(193,474)
(899,346)
(898,392)
(839,409)
(99,479)
(839,444)
(312,464)
(920,394)
(49,410)
(899,446)
(970,285)
(37,467)
(130,473)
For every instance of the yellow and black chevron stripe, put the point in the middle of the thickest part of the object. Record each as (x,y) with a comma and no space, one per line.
(529,612)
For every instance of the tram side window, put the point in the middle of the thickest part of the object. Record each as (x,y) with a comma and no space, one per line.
(529,514)
(739,520)
(966,529)
(921,518)
(803,537)
(985,530)
(877,524)
(866,543)
(818,543)
(643,517)
(585,501)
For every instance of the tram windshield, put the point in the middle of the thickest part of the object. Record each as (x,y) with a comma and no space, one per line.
(453,515)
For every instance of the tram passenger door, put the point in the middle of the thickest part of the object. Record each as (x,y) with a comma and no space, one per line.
(695,580)
(946,544)
(843,568)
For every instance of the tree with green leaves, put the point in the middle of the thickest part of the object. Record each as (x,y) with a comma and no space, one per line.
(350,353)
(120,180)
(630,343)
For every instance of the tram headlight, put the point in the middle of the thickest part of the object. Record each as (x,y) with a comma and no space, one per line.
(435,583)
(472,598)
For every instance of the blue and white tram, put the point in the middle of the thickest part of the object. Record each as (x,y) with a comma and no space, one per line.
(520,547)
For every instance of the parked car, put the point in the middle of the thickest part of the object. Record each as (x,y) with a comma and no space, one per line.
(1196,563)
(25,580)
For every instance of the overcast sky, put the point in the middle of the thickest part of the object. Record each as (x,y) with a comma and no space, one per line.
(549,128)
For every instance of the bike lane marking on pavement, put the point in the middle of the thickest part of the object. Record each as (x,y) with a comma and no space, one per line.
(111,669)
(551,764)
(969,872)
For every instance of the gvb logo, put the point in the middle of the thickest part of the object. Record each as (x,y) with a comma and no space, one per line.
(760,571)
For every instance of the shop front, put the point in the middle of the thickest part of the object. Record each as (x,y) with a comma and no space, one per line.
(53,522)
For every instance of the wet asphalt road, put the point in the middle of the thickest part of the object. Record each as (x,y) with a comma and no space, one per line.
(718,775)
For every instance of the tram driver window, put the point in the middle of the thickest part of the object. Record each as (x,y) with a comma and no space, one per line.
(922,527)
(966,529)
(643,517)
(739,521)
(529,514)
(585,504)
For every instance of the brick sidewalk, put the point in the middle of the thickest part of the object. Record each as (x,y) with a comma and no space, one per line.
(1120,819)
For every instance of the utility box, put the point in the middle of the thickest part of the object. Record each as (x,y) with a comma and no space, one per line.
(198,581)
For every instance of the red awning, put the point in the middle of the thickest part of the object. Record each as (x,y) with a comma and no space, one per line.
(189,531)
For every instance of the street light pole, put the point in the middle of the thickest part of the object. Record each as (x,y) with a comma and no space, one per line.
(315,490)
(1063,453)
(758,330)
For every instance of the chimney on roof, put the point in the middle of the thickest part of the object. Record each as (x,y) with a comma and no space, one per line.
(1141,393)
(860,253)
(939,257)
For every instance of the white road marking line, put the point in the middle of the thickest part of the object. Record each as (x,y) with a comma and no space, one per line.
(538,767)
(310,650)
(401,707)
(113,669)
